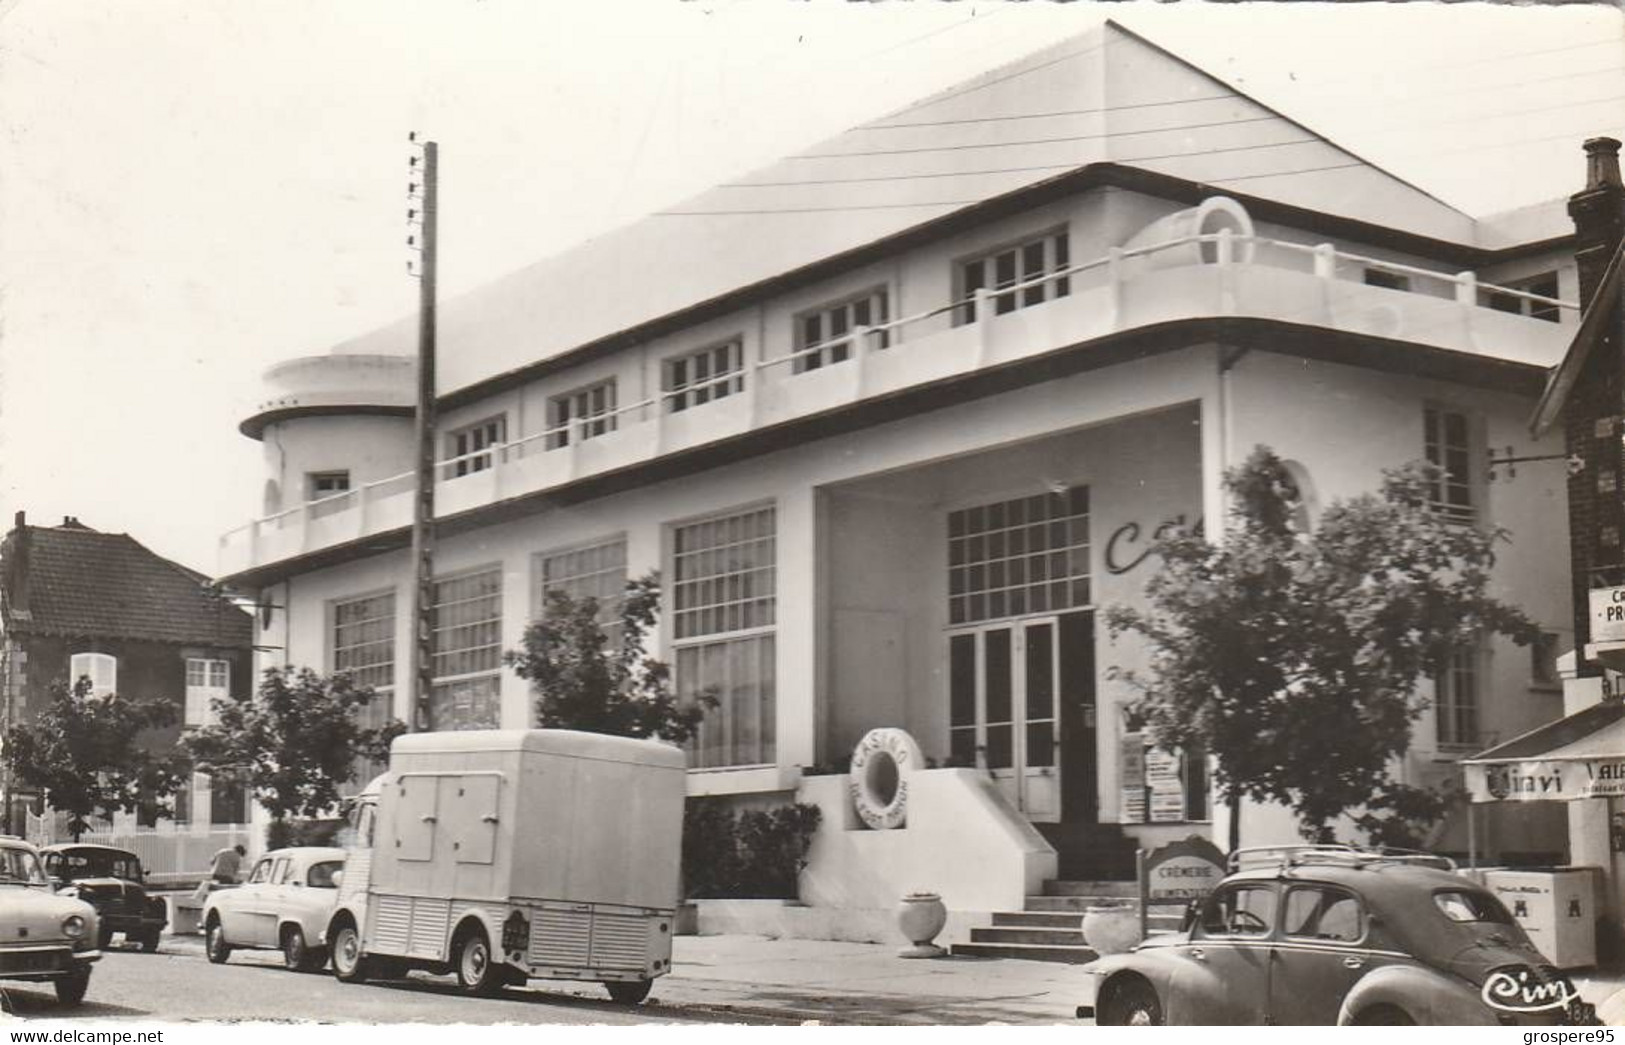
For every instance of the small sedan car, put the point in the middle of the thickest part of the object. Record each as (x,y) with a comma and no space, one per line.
(111,881)
(1306,935)
(285,904)
(43,937)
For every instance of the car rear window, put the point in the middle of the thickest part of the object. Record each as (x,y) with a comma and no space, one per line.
(321,875)
(1469,905)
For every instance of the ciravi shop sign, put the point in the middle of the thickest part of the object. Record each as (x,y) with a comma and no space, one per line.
(1546,780)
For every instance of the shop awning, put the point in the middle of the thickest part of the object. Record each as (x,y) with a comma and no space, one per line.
(1581,756)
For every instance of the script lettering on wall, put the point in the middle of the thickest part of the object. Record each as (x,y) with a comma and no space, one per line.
(1124,549)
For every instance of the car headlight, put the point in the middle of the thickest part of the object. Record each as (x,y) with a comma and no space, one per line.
(73,926)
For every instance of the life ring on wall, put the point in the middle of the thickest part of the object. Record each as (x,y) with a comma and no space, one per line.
(878,779)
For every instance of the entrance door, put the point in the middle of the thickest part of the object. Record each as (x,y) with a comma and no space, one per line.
(1003,710)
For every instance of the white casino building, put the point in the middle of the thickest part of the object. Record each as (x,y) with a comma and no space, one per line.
(895,417)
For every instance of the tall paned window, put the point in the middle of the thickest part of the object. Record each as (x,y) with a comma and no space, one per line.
(1028,555)
(1455,704)
(1024,264)
(1447,442)
(364,648)
(100,668)
(597,572)
(207,680)
(468,651)
(724,608)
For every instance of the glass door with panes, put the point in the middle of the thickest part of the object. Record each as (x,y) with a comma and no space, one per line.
(1003,681)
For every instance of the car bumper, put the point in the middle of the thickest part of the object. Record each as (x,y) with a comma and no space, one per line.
(42,963)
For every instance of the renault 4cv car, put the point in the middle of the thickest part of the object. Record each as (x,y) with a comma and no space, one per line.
(110,880)
(1305,935)
(43,937)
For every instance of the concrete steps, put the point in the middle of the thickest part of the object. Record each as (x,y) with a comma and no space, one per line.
(1050,929)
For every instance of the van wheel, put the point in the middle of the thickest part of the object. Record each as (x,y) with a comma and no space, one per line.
(349,964)
(628,992)
(476,971)
(70,989)
(214,942)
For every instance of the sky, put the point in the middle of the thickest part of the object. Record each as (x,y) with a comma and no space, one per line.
(192,190)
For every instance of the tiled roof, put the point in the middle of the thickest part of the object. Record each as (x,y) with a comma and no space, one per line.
(108,585)
(1107,96)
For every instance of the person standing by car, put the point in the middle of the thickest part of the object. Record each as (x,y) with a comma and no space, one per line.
(227,864)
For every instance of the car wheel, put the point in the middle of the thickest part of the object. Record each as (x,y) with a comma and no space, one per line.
(349,964)
(104,936)
(214,942)
(1384,1016)
(1132,1004)
(70,989)
(149,940)
(296,954)
(476,971)
(628,992)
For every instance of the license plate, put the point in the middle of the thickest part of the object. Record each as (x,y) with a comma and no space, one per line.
(1581,1014)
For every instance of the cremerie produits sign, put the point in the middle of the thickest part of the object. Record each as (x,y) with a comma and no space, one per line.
(1546,780)
(1181,871)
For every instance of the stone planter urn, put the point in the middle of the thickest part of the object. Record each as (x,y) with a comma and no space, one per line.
(1111,929)
(920,917)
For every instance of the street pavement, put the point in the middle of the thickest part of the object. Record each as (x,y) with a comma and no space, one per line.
(716,979)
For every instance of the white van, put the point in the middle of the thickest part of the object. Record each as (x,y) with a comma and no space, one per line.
(508,854)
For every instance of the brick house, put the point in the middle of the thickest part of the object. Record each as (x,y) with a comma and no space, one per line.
(76,602)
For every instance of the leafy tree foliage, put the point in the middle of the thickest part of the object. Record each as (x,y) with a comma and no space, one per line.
(584,681)
(1293,656)
(293,743)
(87,756)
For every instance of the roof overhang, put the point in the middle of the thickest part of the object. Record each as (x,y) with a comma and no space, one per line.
(1581,756)
(1603,309)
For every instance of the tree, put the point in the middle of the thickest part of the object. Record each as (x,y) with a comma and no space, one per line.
(1293,656)
(293,743)
(585,681)
(86,756)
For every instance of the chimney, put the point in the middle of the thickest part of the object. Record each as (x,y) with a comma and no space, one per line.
(16,566)
(1598,211)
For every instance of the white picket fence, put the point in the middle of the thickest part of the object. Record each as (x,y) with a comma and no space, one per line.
(168,854)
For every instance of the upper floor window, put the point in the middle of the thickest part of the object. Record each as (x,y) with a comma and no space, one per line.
(465,446)
(363,640)
(1455,704)
(1447,442)
(699,377)
(824,335)
(1380,277)
(597,572)
(326,484)
(207,679)
(581,414)
(1545,285)
(1009,266)
(100,668)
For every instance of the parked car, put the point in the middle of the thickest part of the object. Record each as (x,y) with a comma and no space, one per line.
(1303,935)
(110,880)
(43,937)
(285,903)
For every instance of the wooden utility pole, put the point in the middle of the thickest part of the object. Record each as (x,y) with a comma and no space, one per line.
(422,192)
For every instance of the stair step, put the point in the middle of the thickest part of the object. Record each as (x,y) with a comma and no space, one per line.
(1038,919)
(1079,904)
(1072,937)
(1028,951)
(1057,887)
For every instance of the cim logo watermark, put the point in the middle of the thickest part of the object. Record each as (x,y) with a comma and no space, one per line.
(1518,988)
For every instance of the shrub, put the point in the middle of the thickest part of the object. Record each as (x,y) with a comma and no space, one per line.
(758,853)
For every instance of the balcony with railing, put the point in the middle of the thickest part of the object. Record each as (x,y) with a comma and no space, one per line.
(1191,277)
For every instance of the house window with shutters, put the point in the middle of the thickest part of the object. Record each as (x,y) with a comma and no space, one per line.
(100,668)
